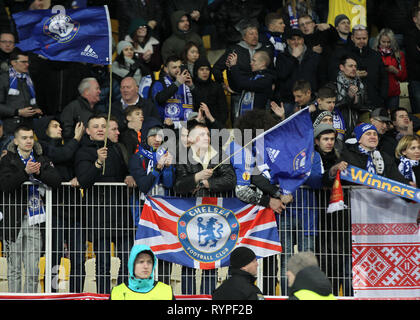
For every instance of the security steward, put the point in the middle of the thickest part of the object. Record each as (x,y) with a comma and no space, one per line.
(141,283)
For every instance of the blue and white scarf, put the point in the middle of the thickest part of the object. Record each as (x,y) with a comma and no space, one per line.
(179,107)
(277,42)
(339,124)
(153,157)
(406,168)
(375,163)
(36,210)
(246,102)
(14,76)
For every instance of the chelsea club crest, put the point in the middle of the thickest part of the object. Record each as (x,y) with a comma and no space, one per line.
(208,233)
(61,27)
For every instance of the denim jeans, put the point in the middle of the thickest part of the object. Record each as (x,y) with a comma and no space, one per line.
(27,249)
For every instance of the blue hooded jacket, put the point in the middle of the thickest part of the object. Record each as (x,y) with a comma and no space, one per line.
(135,284)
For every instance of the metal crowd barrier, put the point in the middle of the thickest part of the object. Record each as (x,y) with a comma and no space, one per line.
(84,244)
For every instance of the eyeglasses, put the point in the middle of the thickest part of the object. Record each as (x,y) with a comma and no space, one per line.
(7,42)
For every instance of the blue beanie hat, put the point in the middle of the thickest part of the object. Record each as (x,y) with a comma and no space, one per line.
(362,128)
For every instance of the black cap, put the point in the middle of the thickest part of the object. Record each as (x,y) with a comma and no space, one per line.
(240,257)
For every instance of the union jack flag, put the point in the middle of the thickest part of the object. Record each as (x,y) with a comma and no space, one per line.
(201,232)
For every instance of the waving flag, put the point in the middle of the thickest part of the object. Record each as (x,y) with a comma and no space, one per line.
(201,232)
(81,35)
(287,149)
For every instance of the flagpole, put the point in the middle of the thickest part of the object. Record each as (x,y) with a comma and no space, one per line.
(109,114)
(260,135)
(110,81)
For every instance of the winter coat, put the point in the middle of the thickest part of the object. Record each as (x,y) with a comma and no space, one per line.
(367,59)
(289,69)
(61,154)
(99,202)
(243,63)
(211,93)
(240,286)
(395,79)
(222,180)
(261,83)
(9,104)
(175,44)
(75,111)
(138,165)
(353,157)
(412,42)
(146,105)
(189,6)
(132,9)
(12,176)
(311,284)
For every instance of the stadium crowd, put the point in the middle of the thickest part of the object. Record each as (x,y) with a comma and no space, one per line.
(277,57)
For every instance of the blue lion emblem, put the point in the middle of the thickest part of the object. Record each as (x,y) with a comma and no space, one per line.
(209,232)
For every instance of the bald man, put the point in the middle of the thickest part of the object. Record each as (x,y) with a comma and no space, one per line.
(130,96)
(257,89)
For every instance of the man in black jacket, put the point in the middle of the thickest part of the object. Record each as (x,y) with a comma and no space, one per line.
(198,175)
(240,286)
(298,62)
(256,89)
(370,67)
(21,225)
(245,49)
(130,97)
(82,108)
(18,104)
(364,154)
(104,217)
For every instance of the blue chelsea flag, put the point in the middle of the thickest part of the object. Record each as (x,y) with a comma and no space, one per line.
(81,35)
(287,150)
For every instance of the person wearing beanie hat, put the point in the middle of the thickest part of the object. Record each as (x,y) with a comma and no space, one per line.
(150,166)
(126,65)
(240,286)
(146,46)
(364,154)
(208,96)
(321,116)
(340,18)
(325,138)
(141,284)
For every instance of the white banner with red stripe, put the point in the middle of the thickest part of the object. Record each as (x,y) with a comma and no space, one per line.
(386,245)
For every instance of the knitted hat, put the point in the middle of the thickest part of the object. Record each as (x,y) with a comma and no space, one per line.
(340,18)
(318,115)
(135,24)
(123,44)
(362,128)
(323,127)
(240,257)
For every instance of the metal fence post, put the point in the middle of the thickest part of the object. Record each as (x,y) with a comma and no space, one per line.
(48,240)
